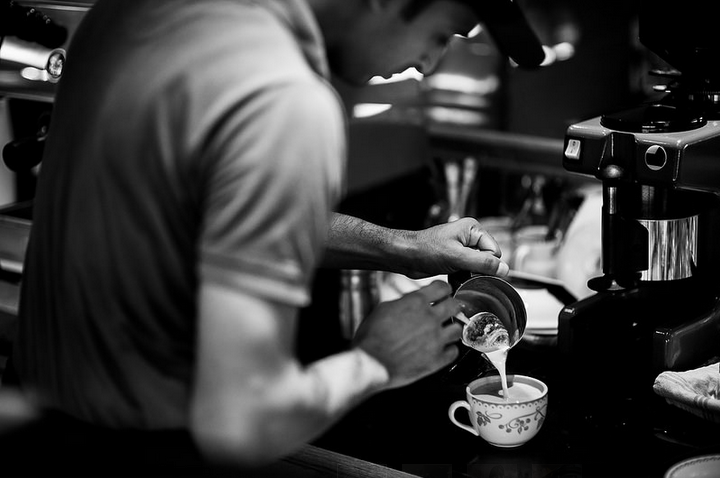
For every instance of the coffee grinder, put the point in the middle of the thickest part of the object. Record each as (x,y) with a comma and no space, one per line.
(656,306)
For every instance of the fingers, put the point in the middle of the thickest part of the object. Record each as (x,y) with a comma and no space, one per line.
(451,333)
(484,262)
(486,242)
(488,252)
(501,267)
(435,292)
(482,240)
(447,308)
(444,307)
(450,354)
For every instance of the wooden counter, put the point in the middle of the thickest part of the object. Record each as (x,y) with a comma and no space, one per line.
(314,462)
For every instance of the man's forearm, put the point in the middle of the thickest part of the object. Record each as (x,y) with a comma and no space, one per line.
(321,394)
(279,417)
(354,243)
(346,379)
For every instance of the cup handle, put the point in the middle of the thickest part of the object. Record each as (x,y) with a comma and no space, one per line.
(451,414)
(520,255)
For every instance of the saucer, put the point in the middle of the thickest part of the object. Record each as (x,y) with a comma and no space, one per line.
(544,298)
(706,466)
(542,311)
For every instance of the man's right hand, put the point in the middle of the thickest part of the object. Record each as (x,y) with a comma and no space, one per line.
(411,336)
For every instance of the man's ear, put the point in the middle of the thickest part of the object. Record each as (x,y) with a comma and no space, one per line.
(379,5)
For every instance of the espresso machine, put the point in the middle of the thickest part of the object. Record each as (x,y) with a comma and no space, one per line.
(657,305)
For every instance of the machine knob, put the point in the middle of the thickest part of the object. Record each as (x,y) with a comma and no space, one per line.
(24,154)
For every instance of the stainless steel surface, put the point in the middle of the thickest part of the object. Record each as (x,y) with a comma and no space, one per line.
(9,301)
(672,248)
(30,54)
(14,234)
(495,295)
(359,294)
(16,83)
(452,181)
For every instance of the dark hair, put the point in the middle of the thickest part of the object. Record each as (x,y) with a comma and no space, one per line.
(416,6)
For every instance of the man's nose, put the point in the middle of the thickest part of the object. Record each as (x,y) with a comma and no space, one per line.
(430,61)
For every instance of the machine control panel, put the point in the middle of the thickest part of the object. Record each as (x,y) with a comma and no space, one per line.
(686,159)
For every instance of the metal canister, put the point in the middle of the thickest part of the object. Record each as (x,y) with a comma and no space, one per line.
(672,248)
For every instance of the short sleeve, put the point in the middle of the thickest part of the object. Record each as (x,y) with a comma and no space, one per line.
(276,167)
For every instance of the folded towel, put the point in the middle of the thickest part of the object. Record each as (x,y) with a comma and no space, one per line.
(696,391)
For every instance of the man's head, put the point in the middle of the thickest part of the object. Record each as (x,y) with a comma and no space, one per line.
(367,38)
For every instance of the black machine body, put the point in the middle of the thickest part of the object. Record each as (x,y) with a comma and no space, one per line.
(657,304)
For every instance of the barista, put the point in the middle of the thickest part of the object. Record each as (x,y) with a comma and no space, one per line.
(191,167)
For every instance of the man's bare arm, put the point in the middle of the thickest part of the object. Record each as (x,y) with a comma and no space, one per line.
(354,243)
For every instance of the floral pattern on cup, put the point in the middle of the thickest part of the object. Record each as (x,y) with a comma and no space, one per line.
(519,424)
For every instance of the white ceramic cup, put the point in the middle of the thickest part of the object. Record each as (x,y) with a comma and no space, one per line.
(502,423)
(533,253)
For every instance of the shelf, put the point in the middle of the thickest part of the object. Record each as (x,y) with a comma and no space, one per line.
(498,149)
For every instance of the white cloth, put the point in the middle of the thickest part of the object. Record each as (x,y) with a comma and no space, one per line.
(696,391)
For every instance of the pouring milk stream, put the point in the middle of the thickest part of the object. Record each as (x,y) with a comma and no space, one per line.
(485,333)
